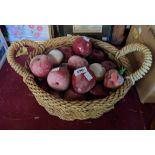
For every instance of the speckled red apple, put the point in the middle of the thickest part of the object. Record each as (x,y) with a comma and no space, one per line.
(40,65)
(82,46)
(57,56)
(109,65)
(98,70)
(59,78)
(75,62)
(113,79)
(83,80)
(67,52)
(97,56)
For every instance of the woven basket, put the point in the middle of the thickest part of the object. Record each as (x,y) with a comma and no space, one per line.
(81,110)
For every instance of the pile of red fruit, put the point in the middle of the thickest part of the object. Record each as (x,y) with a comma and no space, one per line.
(80,72)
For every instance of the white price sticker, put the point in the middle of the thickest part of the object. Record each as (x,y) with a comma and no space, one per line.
(80,71)
(88,76)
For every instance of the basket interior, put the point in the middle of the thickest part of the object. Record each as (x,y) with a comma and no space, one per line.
(119,93)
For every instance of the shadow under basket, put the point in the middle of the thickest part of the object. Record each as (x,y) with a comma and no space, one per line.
(79,110)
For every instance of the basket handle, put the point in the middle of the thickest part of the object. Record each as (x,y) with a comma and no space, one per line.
(147,62)
(12,50)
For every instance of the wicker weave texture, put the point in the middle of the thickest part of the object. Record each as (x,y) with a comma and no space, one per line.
(81,110)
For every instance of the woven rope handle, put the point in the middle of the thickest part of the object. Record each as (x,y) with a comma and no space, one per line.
(147,62)
(38,48)
(12,50)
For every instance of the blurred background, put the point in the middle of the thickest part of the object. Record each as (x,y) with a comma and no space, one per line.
(115,34)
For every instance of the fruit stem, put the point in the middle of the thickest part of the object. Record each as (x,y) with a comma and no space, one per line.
(122,71)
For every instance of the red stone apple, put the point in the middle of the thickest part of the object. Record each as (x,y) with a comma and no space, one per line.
(75,62)
(83,80)
(98,70)
(67,52)
(97,55)
(109,65)
(59,78)
(82,46)
(57,56)
(113,79)
(40,65)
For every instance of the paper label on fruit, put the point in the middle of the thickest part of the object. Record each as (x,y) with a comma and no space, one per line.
(80,71)
(88,76)
(56,69)
(86,39)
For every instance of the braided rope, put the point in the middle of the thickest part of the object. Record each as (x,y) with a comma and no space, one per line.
(14,48)
(147,62)
(71,110)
